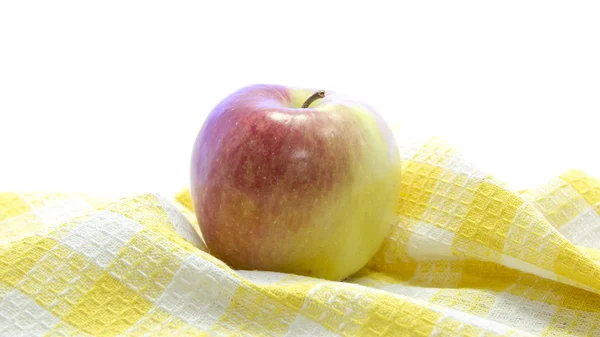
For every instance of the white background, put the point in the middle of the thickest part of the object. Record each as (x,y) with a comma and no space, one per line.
(108,96)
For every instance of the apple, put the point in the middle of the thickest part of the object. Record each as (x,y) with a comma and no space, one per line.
(294,180)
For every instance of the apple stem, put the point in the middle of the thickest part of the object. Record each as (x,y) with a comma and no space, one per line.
(317,95)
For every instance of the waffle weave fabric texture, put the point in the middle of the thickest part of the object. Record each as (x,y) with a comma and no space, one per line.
(467,256)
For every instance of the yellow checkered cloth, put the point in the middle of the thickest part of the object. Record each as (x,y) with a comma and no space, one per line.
(467,256)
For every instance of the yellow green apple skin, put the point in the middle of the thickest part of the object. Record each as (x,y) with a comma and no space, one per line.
(310,191)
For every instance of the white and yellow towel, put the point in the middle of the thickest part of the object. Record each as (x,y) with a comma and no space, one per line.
(467,256)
